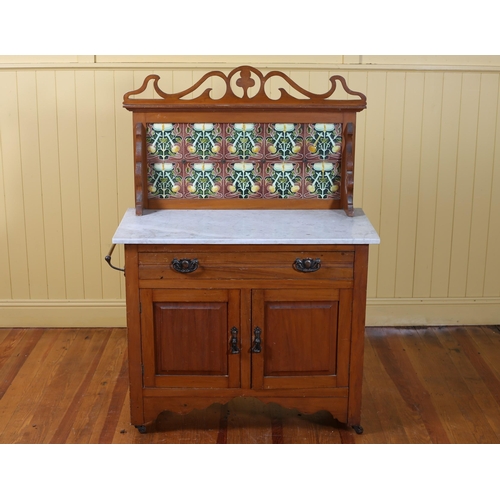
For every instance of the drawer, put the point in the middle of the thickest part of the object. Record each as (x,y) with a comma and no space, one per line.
(310,264)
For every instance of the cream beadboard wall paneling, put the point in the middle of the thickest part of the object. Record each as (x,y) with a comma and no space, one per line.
(427,175)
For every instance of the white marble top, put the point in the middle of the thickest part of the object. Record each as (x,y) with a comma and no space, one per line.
(258,227)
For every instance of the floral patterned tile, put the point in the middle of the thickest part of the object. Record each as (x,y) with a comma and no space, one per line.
(164,141)
(244,160)
(321,180)
(203,141)
(165,180)
(244,141)
(284,141)
(324,141)
(243,180)
(283,179)
(203,179)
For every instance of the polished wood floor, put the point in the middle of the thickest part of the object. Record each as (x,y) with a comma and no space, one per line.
(421,385)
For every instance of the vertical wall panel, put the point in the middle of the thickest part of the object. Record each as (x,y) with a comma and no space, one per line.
(480,217)
(32,184)
(69,184)
(107,174)
(466,165)
(88,181)
(5,288)
(372,181)
(427,185)
(391,182)
(357,80)
(51,184)
(13,272)
(124,157)
(410,173)
(14,187)
(448,146)
(492,264)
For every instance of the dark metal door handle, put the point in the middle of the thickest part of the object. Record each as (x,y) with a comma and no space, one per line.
(234,341)
(185,265)
(257,348)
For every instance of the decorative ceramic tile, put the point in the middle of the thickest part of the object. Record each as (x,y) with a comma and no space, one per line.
(243,180)
(322,180)
(284,141)
(203,141)
(244,141)
(324,141)
(203,180)
(165,180)
(244,160)
(283,179)
(164,140)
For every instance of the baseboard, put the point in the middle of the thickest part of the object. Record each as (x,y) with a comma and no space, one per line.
(433,311)
(62,313)
(379,312)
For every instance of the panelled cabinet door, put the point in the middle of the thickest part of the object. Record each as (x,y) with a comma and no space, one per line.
(301,338)
(191,338)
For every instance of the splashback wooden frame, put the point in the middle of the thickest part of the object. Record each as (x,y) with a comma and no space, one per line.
(237,105)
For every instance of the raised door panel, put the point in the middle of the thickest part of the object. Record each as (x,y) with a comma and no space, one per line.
(181,328)
(298,338)
(187,338)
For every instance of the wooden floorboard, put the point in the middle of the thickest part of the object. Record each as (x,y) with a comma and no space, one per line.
(420,385)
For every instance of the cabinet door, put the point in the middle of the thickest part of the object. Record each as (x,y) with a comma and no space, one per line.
(188,338)
(304,338)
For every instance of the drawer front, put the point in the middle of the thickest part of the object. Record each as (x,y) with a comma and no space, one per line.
(200,265)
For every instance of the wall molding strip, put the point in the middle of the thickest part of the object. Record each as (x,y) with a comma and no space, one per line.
(275,65)
(433,311)
(380,312)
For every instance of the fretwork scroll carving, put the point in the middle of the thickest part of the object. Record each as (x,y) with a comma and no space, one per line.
(248,77)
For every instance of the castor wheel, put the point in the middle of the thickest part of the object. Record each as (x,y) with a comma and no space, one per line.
(358,429)
(142,429)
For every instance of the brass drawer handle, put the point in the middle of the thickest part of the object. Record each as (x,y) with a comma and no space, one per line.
(185,265)
(307,265)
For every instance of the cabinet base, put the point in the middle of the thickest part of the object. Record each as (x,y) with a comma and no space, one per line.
(154,406)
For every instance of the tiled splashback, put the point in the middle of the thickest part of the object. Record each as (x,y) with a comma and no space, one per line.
(244,160)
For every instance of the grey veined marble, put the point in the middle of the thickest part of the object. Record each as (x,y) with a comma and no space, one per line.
(258,227)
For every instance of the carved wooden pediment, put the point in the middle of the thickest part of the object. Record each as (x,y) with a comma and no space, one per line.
(245,78)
